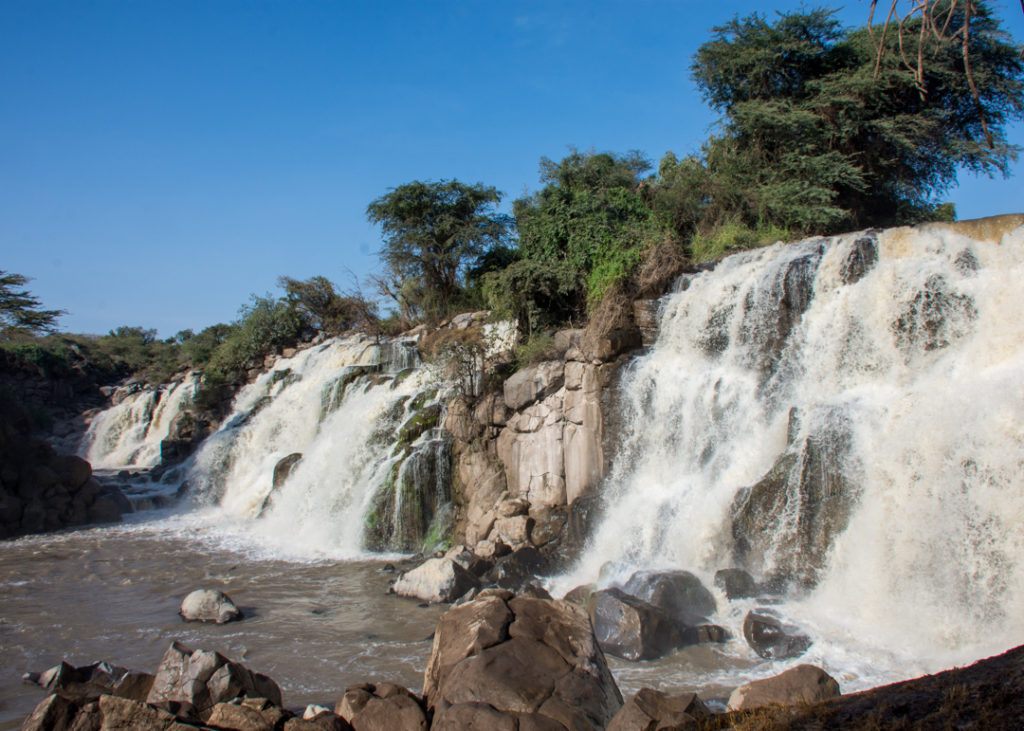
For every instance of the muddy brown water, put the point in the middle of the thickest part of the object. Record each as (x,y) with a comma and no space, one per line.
(315,627)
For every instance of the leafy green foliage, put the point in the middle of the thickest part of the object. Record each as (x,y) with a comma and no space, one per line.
(433,233)
(581,232)
(322,308)
(20,312)
(817,140)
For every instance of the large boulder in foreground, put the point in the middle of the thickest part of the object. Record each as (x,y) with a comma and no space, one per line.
(630,628)
(802,684)
(652,709)
(209,605)
(381,707)
(436,580)
(503,662)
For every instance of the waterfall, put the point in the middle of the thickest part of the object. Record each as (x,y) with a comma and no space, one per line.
(130,432)
(845,414)
(319,453)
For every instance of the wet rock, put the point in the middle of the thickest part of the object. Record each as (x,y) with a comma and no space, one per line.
(736,583)
(630,628)
(802,684)
(470,561)
(861,258)
(652,709)
(935,317)
(436,580)
(533,661)
(209,605)
(518,568)
(704,633)
(770,638)
(395,713)
(679,593)
(581,594)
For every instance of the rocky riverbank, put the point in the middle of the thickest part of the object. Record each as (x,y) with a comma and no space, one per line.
(502,661)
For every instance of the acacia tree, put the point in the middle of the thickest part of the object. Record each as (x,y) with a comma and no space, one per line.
(20,312)
(433,233)
(822,132)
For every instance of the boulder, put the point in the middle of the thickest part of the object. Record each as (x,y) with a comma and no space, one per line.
(533,383)
(631,628)
(89,682)
(246,716)
(765,632)
(652,709)
(802,684)
(436,580)
(518,663)
(209,605)
(736,583)
(518,568)
(201,679)
(680,594)
(395,713)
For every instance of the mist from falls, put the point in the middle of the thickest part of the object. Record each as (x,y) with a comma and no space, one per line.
(129,433)
(847,414)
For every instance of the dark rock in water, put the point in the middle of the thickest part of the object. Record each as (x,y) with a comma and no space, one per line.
(966,262)
(789,518)
(802,684)
(736,583)
(580,594)
(535,663)
(679,593)
(770,638)
(583,515)
(630,628)
(704,633)
(934,318)
(209,605)
(862,257)
(652,709)
(517,568)
(282,470)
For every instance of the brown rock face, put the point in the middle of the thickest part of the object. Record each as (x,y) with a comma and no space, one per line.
(652,709)
(518,663)
(802,684)
(631,628)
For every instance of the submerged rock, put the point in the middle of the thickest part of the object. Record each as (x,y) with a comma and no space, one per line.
(802,684)
(209,605)
(736,583)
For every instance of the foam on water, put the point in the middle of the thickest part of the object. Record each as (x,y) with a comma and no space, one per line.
(921,361)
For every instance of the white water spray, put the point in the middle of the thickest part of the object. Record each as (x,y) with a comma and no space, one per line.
(917,363)
(129,433)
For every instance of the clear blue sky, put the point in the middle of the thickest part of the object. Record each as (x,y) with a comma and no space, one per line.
(161,161)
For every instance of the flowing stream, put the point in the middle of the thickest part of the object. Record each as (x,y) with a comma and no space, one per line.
(843,415)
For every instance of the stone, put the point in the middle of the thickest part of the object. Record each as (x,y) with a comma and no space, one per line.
(284,468)
(535,661)
(770,638)
(580,595)
(646,314)
(652,709)
(483,484)
(736,583)
(548,523)
(799,685)
(518,568)
(533,383)
(53,712)
(353,701)
(514,531)
(861,258)
(631,628)
(209,605)
(244,718)
(436,580)
(395,713)
(679,593)
(704,633)
(468,560)
(121,713)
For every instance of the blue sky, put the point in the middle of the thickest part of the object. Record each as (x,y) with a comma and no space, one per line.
(161,161)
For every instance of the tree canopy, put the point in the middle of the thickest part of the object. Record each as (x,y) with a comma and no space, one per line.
(821,132)
(20,312)
(433,233)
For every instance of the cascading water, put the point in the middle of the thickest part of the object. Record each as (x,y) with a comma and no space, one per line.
(320,451)
(846,414)
(129,433)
